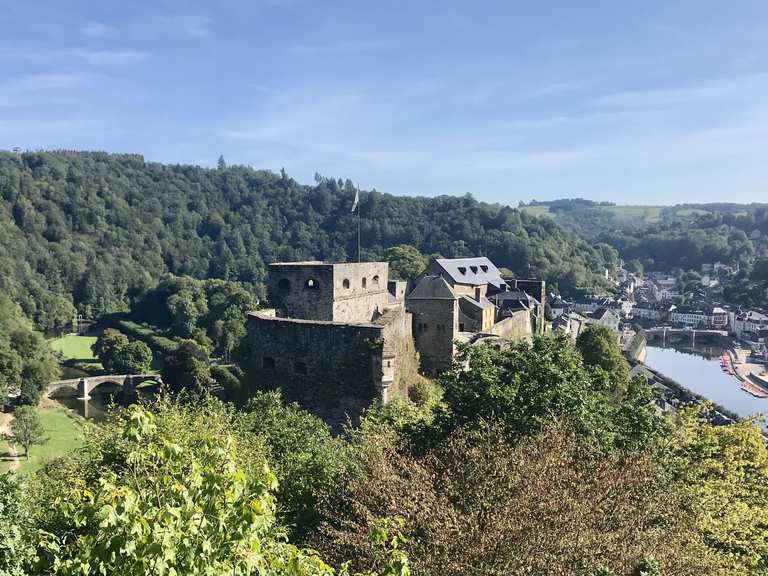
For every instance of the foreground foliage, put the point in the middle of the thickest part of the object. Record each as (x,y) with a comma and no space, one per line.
(480,504)
(725,469)
(157,493)
(526,385)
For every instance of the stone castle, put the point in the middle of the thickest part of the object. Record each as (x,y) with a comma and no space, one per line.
(339,335)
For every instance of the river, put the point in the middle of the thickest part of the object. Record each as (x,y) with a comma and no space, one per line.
(698,369)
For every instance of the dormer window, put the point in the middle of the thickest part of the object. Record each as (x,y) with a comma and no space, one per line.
(474,269)
(463,270)
(484,268)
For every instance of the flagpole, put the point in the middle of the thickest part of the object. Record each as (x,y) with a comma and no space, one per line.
(358,225)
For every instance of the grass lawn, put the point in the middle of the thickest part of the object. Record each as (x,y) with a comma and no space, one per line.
(3,451)
(63,433)
(75,347)
(76,352)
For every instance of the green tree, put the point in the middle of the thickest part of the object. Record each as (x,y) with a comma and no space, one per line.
(187,368)
(132,358)
(172,488)
(599,347)
(725,469)
(35,377)
(405,262)
(108,345)
(26,427)
(305,456)
(15,548)
(175,510)
(10,370)
(526,385)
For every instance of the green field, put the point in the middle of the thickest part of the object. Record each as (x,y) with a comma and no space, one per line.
(536,210)
(645,214)
(63,433)
(75,347)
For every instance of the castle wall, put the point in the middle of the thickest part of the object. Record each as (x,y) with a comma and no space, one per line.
(332,369)
(435,326)
(359,291)
(516,327)
(301,290)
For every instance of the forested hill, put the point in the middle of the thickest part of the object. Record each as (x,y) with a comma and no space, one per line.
(94,229)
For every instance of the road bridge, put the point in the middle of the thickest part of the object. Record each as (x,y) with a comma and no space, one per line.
(82,387)
(671,335)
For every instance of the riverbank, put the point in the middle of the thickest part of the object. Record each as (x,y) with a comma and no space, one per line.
(63,432)
(753,376)
(676,396)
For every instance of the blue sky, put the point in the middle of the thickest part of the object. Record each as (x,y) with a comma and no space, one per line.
(634,102)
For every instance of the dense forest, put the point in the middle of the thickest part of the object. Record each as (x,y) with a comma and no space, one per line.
(676,239)
(95,231)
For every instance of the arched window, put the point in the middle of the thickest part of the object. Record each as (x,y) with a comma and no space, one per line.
(311,284)
(284,285)
(375,281)
(345,283)
(365,282)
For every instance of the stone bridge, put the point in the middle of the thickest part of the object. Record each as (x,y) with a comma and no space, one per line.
(669,335)
(82,387)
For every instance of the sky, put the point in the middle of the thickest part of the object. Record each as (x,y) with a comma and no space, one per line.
(635,102)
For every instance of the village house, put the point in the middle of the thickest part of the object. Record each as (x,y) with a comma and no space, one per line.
(456,299)
(605,317)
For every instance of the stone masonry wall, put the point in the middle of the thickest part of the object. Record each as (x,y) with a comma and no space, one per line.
(301,290)
(435,326)
(327,367)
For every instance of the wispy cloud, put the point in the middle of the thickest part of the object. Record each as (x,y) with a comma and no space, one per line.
(340,47)
(96,30)
(735,87)
(110,57)
(52,56)
(189,24)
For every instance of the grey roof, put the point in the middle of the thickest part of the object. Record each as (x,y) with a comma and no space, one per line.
(432,287)
(473,271)
(600,313)
(483,304)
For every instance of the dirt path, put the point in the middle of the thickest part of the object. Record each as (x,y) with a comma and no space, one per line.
(5,420)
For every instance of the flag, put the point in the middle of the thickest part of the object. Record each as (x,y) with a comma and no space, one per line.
(356,203)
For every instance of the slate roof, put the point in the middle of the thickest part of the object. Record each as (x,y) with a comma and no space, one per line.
(483,304)
(472,271)
(600,313)
(513,296)
(430,287)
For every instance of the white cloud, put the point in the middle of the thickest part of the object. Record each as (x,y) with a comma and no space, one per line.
(110,57)
(192,24)
(341,47)
(96,30)
(726,88)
